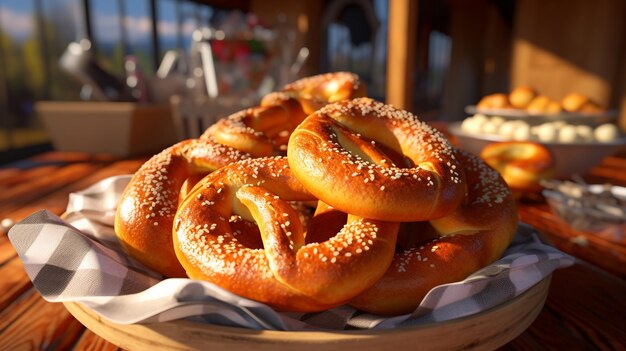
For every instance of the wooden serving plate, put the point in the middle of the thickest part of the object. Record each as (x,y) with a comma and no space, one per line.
(486,330)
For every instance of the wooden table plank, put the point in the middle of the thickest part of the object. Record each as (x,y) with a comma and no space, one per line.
(602,175)
(597,299)
(56,201)
(8,173)
(24,176)
(547,333)
(611,170)
(31,189)
(607,254)
(14,282)
(72,157)
(31,323)
(6,249)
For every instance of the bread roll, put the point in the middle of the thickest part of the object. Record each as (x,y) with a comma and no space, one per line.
(520,97)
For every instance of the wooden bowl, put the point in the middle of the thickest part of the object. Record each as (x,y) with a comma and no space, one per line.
(486,330)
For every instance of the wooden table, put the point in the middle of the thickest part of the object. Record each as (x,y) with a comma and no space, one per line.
(585,309)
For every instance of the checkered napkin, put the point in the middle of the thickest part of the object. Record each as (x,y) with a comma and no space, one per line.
(79,259)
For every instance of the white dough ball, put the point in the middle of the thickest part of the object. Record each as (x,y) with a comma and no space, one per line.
(507,129)
(546,133)
(606,132)
(585,133)
(522,132)
(568,134)
(480,118)
(470,125)
(498,120)
(490,128)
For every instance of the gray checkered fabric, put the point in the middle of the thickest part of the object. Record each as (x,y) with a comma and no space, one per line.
(79,259)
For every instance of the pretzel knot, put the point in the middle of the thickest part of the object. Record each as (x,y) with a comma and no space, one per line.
(286,272)
(317,91)
(262,130)
(145,214)
(450,248)
(342,154)
(144,218)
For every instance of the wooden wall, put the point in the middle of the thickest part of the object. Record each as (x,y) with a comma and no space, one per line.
(561,46)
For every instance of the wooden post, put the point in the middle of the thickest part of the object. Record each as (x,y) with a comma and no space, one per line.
(401,53)
(467,28)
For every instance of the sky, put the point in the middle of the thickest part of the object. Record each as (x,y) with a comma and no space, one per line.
(16,18)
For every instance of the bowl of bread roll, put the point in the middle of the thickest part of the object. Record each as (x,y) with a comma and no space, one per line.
(577,131)
(528,104)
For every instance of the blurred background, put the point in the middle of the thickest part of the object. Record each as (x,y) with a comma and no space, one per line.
(430,57)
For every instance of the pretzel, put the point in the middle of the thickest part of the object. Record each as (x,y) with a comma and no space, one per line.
(317,91)
(287,273)
(450,248)
(523,164)
(145,214)
(337,154)
(262,130)
(259,131)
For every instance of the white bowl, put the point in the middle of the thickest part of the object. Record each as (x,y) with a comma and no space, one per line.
(570,158)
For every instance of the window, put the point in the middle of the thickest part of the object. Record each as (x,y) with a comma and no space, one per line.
(167,26)
(23,74)
(35,33)
(356,40)
(61,27)
(138,28)
(189,22)
(107,34)
(439,48)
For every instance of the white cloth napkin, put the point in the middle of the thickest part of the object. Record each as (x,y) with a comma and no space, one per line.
(79,259)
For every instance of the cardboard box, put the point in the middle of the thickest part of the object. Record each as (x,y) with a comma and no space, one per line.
(117,128)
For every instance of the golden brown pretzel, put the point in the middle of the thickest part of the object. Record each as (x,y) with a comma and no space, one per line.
(473,236)
(262,130)
(336,154)
(143,222)
(317,91)
(523,164)
(287,273)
